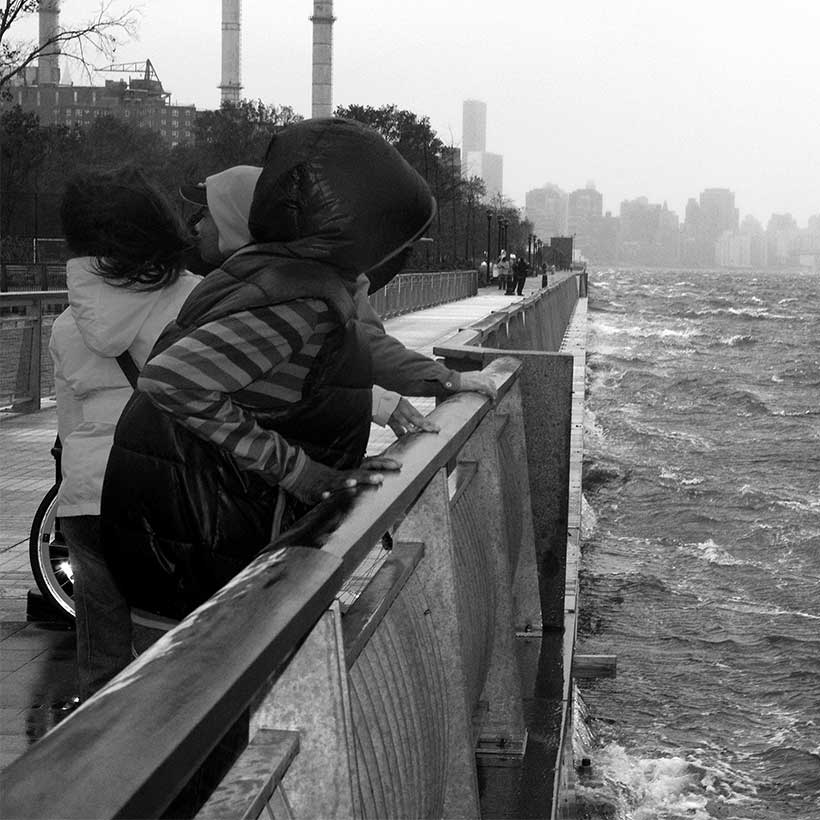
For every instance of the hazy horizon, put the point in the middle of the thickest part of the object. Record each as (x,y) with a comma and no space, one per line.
(643,101)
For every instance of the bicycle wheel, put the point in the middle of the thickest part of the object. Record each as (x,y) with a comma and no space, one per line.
(48,555)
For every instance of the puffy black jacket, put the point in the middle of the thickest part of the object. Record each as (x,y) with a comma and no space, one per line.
(179,518)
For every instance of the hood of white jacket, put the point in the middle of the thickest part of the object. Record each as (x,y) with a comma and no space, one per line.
(108,317)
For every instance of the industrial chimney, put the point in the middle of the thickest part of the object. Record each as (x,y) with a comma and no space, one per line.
(322,20)
(48,63)
(231,51)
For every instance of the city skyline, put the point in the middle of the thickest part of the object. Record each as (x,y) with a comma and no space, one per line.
(644,101)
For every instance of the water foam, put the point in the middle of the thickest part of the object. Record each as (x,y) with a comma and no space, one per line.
(650,788)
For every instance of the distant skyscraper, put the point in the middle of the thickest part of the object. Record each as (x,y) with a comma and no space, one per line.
(474,126)
(718,212)
(475,160)
(490,167)
(584,212)
(547,210)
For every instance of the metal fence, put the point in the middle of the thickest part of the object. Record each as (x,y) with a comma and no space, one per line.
(28,310)
(26,370)
(416,291)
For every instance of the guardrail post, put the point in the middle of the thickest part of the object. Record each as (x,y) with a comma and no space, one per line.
(502,688)
(311,697)
(28,369)
(523,563)
(429,522)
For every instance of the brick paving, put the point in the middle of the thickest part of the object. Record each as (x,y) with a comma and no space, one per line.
(37,672)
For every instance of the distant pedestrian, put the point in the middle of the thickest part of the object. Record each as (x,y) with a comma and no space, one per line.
(503,267)
(520,272)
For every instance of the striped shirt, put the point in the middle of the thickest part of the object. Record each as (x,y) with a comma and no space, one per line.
(215,380)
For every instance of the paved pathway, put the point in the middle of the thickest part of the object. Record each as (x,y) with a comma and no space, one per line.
(37,672)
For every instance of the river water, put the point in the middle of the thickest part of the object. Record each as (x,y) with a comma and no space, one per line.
(701,555)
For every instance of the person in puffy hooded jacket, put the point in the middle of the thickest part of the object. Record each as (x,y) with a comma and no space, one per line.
(125,284)
(221,225)
(256,402)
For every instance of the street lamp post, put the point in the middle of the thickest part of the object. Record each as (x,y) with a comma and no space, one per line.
(489,246)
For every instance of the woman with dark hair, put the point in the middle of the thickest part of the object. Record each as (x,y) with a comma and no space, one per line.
(126,281)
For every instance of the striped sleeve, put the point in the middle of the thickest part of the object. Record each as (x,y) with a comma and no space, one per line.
(196,378)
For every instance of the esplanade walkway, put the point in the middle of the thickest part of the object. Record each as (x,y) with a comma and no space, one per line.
(37,672)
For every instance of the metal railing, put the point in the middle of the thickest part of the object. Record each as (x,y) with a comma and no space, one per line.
(32,276)
(26,371)
(417,291)
(26,374)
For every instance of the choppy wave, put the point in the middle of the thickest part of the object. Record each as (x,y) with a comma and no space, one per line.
(633,786)
(702,566)
(738,340)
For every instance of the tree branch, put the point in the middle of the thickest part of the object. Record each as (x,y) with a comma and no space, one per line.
(102,32)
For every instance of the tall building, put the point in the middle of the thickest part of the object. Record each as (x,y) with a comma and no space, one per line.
(718,212)
(706,221)
(546,208)
(490,167)
(475,159)
(585,208)
(782,238)
(649,233)
(474,126)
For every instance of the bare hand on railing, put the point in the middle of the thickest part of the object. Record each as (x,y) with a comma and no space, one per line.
(478,382)
(317,482)
(406,419)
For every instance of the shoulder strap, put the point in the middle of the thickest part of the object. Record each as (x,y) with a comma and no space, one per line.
(129,367)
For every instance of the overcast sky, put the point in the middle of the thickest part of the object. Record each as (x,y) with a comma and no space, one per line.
(655,98)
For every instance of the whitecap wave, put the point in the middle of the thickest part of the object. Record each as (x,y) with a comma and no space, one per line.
(737,340)
(715,554)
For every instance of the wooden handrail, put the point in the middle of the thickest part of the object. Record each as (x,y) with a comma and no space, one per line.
(156,722)
(128,750)
(374,511)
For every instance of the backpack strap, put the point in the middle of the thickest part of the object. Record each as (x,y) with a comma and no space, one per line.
(129,367)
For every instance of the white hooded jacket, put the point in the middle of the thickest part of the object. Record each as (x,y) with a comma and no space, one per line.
(101,322)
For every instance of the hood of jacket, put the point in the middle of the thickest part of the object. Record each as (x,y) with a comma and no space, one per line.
(109,318)
(334,191)
(229,195)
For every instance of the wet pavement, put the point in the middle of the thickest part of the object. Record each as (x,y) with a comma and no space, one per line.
(38,679)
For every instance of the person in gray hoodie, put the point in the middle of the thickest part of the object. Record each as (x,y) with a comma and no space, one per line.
(126,282)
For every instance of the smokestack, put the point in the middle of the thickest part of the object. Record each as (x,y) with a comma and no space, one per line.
(231,51)
(48,63)
(322,20)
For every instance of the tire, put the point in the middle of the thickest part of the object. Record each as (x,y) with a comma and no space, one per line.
(48,555)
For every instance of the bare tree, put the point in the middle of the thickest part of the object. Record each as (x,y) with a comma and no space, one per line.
(102,33)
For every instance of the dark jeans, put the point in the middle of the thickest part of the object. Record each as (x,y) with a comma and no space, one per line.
(103,616)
